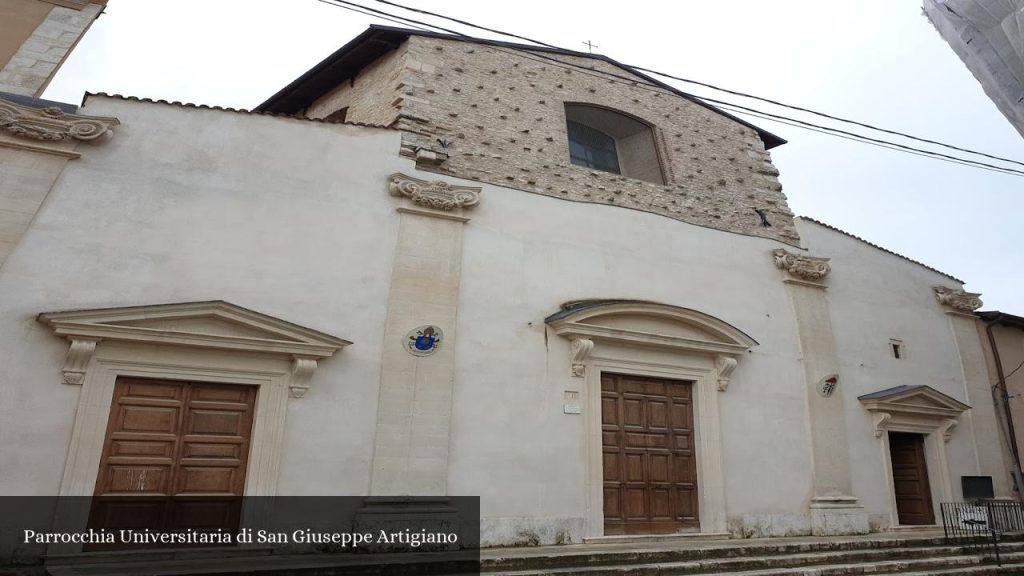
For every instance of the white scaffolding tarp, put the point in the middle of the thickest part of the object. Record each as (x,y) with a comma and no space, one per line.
(988,35)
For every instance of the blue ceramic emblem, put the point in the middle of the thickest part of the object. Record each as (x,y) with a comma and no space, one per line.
(423,341)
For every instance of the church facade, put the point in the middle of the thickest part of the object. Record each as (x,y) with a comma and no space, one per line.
(433,266)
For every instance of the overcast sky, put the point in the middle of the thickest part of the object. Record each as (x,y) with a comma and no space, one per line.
(877,61)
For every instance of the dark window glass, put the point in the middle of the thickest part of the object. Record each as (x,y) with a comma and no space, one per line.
(592,148)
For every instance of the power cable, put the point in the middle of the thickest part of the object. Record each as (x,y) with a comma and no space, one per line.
(857,139)
(714,87)
(632,81)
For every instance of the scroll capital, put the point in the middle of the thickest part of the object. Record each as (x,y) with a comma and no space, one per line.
(803,268)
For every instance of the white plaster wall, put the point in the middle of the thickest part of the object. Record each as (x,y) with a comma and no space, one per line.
(873,297)
(286,217)
(292,218)
(524,255)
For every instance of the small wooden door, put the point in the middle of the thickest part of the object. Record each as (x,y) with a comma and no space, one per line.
(910,479)
(175,455)
(650,467)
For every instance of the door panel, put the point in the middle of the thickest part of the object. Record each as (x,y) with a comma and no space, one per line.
(910,479)
(175,455)
(649,466)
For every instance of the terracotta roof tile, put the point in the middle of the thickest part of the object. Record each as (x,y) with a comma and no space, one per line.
(228,109)
(886,250)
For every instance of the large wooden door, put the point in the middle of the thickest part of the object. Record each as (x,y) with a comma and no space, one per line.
(910,479)
(650,468)
(175,455)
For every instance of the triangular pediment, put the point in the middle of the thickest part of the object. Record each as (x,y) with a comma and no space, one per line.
(207,324)
(920,400)
(213,324)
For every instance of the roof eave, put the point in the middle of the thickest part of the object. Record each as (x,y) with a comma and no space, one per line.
(293,98)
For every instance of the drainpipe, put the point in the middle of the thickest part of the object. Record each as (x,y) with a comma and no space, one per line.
(1001,387)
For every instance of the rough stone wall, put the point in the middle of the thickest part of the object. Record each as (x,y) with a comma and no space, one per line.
(374,96)
(34,64)
(503,111)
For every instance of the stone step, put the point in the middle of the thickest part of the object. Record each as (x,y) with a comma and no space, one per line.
(425,563)
(896,561)
(509,560)
(978,569)
(157,555)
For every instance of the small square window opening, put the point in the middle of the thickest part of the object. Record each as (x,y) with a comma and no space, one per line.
(897,349)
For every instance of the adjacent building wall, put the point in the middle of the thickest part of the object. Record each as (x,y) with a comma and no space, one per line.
(36,37)
(20,19)
(988,36)
(1004,354)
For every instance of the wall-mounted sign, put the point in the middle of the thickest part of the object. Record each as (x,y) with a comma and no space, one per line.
(572,402)
(423,341)
(827,386)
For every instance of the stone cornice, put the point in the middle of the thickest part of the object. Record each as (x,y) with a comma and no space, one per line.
(49,124)
(221,326)
(582,322)
(436,195)
(804,268)
(958,300)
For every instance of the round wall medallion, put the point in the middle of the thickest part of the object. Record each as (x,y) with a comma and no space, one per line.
(423,341)
(827,386)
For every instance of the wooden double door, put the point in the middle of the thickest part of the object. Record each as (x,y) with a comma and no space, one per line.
(175,455)
(910,479)
(650,465)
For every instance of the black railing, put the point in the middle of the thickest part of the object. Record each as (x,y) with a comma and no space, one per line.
(979,526)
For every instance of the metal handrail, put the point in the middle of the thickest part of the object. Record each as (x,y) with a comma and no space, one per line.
(981,524)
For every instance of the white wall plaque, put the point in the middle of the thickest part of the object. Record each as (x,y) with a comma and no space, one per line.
(572,402)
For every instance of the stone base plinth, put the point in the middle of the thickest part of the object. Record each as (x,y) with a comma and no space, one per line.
(838,515)
(398,516)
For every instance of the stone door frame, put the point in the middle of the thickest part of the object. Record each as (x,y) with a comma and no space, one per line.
(660,341)
(215,342)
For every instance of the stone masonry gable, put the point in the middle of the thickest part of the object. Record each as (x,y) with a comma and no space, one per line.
(501,112)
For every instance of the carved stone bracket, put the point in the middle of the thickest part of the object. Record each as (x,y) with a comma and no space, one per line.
(77,361)
(879,422)
(724,365)
(438,195)
(806,268)
(580,348)
(51,123)
(959,300)
(946,429)
(302,373)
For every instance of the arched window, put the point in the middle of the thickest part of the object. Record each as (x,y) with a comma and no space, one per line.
(610,141)
(592,148)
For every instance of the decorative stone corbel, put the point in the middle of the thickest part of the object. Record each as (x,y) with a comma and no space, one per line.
(438,195)
(958,300)
(302,372)
(579,350)
(725,365)
(51,123)
(880,421)
(806,268)
(77,361)
(946,429)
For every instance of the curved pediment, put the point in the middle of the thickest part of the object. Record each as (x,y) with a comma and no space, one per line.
(649,324)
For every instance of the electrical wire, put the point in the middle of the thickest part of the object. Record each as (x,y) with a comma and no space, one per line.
(856,139)
(639,83)
(714,87)
(1012,372)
